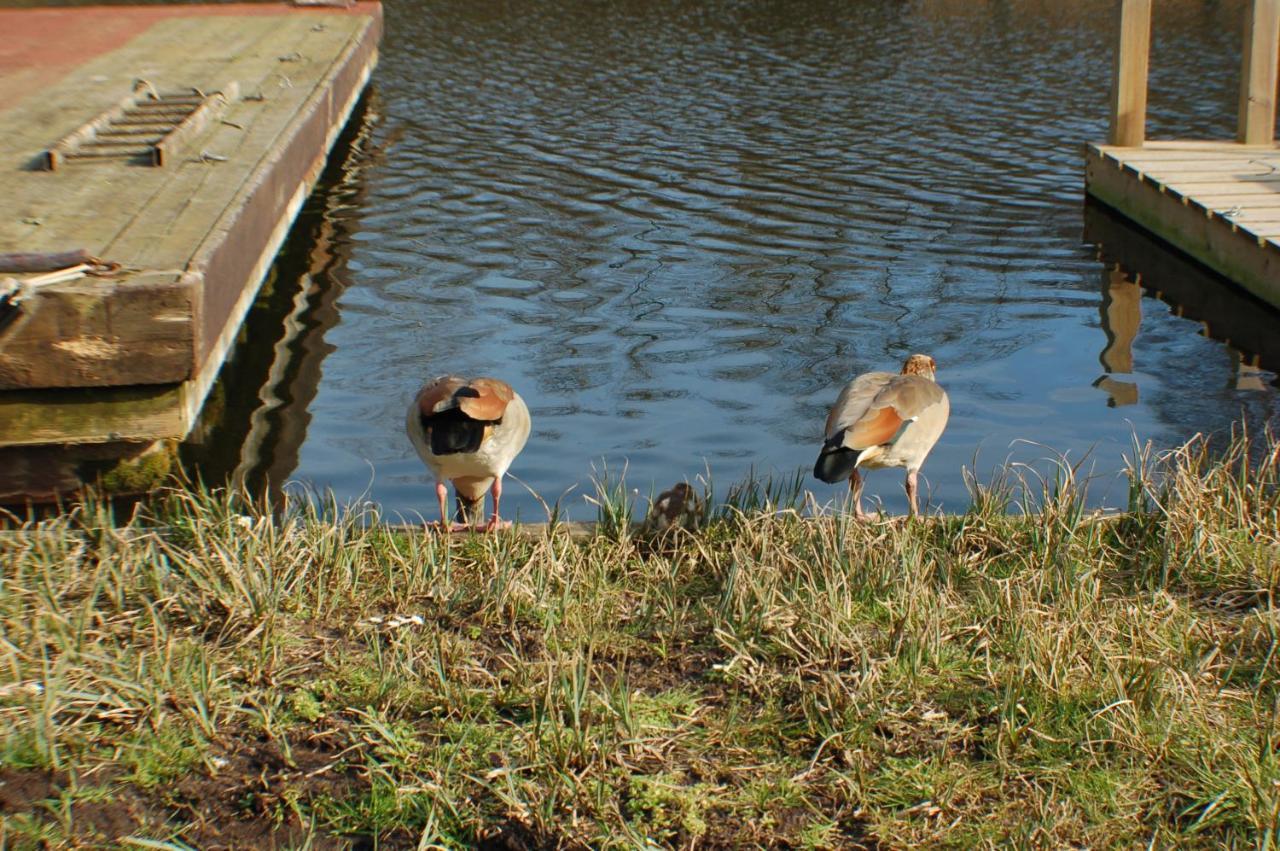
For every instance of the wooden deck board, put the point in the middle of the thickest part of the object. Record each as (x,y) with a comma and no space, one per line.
(1213,191)
(1218,202)
(117,196)
(1210,179)
(180,213)
(73,209)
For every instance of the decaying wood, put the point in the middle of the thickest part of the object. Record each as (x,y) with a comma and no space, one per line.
(98,332)
(213,232)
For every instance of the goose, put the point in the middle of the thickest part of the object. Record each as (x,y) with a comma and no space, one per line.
(678,507)
(468,430)
(883,419)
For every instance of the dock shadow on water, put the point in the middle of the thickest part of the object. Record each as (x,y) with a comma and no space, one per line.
(678,228)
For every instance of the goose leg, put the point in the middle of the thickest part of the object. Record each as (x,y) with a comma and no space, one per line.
(494,521)
(911,492)
(855,488)
(442,494)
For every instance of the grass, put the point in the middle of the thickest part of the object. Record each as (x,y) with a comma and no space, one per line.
(207,673)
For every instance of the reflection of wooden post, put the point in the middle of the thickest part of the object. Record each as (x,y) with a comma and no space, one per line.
(1121,319)
(1257,119)
(1129,85)
(1121,311)
(1247,375)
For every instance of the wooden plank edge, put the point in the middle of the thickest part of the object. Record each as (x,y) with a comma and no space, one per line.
(210,108)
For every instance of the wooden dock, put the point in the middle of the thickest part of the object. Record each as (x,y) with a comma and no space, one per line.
(186,217)
(1218,201)
(1135,261)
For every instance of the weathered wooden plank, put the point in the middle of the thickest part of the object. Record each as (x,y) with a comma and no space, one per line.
(246,240)
(1192,179)
(1257,165)
(1237,212)
(179,216)
(1129,82)
(65,335)
(196,123)
(65,203)
(103,333)
(1256,122)
(1157,146)
(273,197)
(95,204)
(1262,225)
(90,415)
(42,261)
(1245,191)
(42,474)
(1194,151)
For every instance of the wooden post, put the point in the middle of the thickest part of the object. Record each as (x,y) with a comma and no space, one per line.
(1129,86)
(1257,119)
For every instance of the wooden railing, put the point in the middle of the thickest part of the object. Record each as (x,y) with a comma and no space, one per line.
(1257,111)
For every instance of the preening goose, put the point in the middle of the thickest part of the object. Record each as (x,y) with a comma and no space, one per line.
(884,419)
(468,430)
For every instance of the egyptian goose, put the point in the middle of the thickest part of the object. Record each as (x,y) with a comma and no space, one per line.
(468,430)
(884,420)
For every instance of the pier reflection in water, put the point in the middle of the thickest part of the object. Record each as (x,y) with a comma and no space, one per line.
(1136,263)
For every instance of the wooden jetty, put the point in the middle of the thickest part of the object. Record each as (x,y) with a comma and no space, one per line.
(173,145)
(1218,201)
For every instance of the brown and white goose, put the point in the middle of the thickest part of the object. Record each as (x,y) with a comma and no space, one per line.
(883,419)
(468,430)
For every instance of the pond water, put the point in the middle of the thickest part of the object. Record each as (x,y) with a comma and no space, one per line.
(677,228)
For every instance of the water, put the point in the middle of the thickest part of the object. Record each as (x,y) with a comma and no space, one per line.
(677,228)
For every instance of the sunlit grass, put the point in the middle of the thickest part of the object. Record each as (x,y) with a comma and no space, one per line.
(1025,673)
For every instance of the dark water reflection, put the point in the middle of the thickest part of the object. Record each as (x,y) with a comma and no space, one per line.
(677,228)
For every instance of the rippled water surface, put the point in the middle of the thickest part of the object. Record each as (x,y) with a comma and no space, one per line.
(677,228)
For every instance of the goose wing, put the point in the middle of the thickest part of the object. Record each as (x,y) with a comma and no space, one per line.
(854,401)
(877,412)
(482,399)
